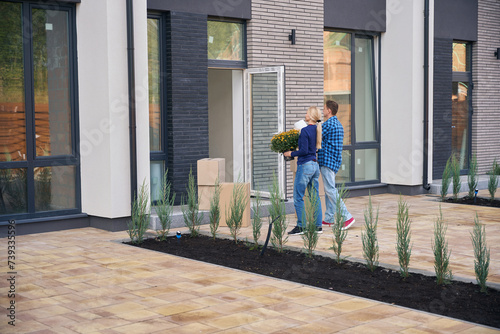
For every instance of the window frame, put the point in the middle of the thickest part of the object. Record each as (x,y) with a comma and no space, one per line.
(32,160)
(376,81)
(230,64)
(465,76)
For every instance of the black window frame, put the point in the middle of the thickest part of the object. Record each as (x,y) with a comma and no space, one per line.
(466,76)
(234,64)
(361,145)
(32,161)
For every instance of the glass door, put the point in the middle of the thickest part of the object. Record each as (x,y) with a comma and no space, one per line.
(264,117)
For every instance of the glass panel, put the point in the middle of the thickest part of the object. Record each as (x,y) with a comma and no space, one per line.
(344,173)
(225,40)
(55,188)
(264,111)
(365,95)
(460,57)
(154,74)
(337,82)
(157,170)
(366,165)
(13,191)
(460,122)
(51,82)
(12,109)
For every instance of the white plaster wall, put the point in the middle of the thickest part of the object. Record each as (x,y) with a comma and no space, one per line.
(103,105)
(402,93)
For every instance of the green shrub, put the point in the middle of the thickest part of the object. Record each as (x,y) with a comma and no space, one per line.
(234,214)
(257,220)
(455,170)
(446,179)
(139,219)
(339,235)
(472,176)
(481,254)
(441,253)
(214,213)
(493,181)
(403,229)
(165,207)
(369,237)
(279,236)
(310,236)
(190,210)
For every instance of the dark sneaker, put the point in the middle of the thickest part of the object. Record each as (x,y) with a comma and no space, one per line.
(296,231)
(326,223)
(348,223)
(319,230)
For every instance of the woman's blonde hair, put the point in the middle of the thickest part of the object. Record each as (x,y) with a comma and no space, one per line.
(315,116)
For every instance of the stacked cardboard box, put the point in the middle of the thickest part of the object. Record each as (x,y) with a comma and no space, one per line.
(209,170)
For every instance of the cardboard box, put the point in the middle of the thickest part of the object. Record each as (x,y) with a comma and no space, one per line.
(209,170)
(226,195)
(205,194)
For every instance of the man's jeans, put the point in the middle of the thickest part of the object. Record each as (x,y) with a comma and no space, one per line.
(306,176)
(331,195)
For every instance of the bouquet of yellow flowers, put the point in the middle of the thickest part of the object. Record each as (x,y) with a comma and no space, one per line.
(285,141)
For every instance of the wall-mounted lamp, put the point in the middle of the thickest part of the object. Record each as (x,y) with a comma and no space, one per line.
(497,53)
(291,37)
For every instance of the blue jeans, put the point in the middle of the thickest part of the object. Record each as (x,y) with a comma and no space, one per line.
(331,195)
(306,177)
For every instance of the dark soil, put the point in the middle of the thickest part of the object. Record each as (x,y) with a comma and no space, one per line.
(479,201)
(457,300)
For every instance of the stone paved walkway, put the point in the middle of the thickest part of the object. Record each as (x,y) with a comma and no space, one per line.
(81,281)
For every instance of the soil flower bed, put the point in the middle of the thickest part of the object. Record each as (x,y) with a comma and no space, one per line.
(457,300)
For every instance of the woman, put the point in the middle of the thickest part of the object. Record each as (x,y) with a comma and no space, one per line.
(307,169)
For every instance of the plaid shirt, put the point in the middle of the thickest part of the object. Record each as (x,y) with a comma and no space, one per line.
(330,154)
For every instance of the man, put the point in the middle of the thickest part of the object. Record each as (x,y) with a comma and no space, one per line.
(329,160)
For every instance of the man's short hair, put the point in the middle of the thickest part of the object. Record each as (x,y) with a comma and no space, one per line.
(333,106)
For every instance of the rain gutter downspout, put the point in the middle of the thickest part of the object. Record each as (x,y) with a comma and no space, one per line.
(131,100)
(425,176)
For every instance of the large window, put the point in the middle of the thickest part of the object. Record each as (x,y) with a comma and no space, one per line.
(39,163)
(156,110)
(461,104)
(226,44)
(349,65)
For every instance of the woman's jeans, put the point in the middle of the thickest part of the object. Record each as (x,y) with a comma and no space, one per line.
(331,195)
(306,177)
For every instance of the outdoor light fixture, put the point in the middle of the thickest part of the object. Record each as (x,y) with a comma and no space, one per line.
(497,53)
(291,37)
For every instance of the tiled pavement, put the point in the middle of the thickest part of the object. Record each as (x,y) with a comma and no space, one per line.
(79,281)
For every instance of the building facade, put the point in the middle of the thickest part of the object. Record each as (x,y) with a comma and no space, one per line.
(98,98)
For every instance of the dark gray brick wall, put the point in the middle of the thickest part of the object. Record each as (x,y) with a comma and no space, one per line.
(187,95)
(442,105)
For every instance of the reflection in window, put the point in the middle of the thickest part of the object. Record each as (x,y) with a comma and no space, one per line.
(460,122)
(55,188)
(366,168)
(460,57)
(12,108)
(364,90)
(225,40)
(51,82)
(349,67)
(13,191)
(337,82)
(154,72)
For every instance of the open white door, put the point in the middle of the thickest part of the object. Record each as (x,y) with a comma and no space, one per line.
(264,116)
